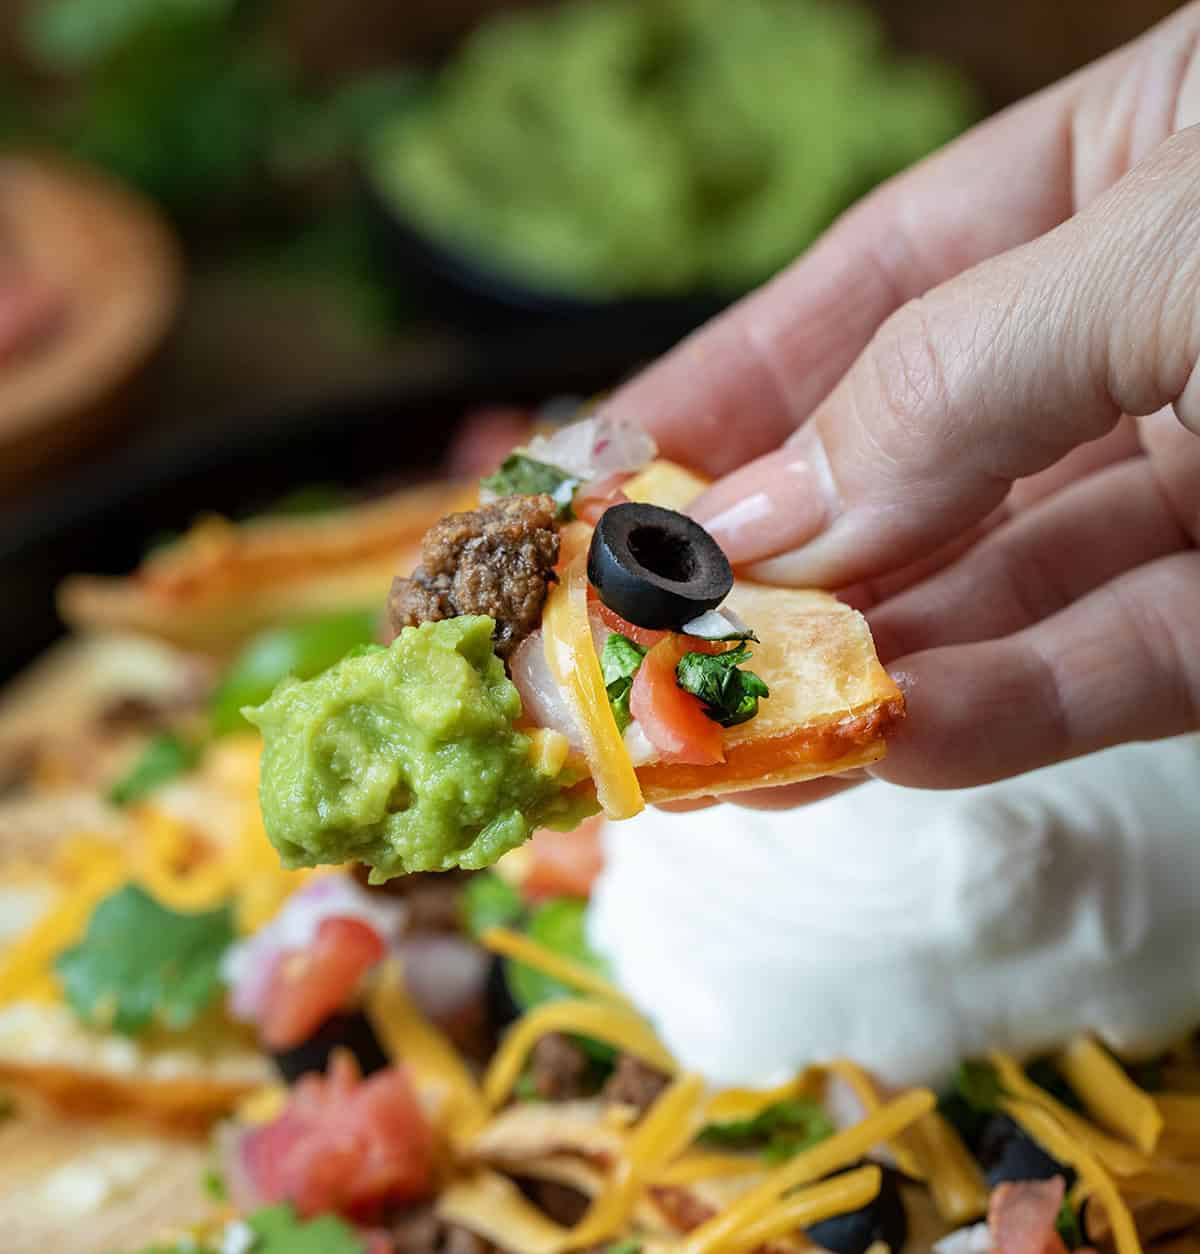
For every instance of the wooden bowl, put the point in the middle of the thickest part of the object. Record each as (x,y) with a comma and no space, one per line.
(120,272)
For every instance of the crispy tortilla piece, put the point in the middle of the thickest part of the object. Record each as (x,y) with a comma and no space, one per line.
(223,581)
(87,1188)
(831,706)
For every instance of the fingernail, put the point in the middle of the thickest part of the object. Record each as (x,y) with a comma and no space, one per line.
(775,504)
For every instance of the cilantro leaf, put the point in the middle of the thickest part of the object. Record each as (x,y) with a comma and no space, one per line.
(619,662)
(978,1084)
(780,1131)
(489,900)
(526,476)
(140,963)
(162,759)
(280,1231)
(1067,1226)
(730,695)
(629,1246)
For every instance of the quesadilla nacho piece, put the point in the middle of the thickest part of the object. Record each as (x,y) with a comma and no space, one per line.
(221,581)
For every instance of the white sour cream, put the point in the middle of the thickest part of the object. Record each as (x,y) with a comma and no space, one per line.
(909,929)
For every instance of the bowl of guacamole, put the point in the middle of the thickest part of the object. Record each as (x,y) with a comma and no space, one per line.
(603,151)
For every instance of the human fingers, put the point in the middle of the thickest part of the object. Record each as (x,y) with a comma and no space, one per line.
(738,386)
(1118,665)
(1037,564)
(990,378)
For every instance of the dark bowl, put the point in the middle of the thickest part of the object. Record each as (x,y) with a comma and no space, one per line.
(467,289)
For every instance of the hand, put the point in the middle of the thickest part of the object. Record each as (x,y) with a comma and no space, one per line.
(945,382)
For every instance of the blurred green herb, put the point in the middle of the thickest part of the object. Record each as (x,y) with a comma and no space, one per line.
(490,901)
(162,759)
(779,1132)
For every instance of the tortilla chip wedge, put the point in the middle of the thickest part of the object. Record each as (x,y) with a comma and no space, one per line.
(225,580)
(831,705)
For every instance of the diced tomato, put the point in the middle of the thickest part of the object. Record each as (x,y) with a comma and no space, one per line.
(673,720)
(600,494)
(1022,1217)
(564,864)
(647,637)
(342,1144)
(308,985)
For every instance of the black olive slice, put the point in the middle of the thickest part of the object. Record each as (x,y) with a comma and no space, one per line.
(1008,1153)
(350,1030)
(883,1219)
(656,568)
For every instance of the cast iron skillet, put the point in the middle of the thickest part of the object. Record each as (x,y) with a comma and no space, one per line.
(101,519)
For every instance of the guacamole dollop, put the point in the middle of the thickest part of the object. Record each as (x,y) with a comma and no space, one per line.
(627,147)
(405,758)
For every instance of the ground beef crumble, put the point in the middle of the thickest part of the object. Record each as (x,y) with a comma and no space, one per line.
(633,1083)
(496,560)
(559,1069)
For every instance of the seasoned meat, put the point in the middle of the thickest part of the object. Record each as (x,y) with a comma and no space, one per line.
(633,1083)
(559,1068)
(496,560)
(559,1202)
(434,898)
(422,1232)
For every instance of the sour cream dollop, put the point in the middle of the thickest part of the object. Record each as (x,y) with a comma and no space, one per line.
(908,930)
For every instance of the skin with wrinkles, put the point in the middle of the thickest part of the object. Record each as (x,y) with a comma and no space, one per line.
(975,411)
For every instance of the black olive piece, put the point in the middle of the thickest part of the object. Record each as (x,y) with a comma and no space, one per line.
(1008,1153)
(882,1219)
(656,568)
(502,1009)
(350,1030)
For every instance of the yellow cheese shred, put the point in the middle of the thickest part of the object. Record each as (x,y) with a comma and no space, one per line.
(664,1131)
(1109,1095)
(491,1206)
(602,1021)
(955,1183)
(409,1038)
(840,1150)
(738,1105)
(839,1196)
(867,1091)
(1058,1141)
(510,944)
(665,483)
(571,657)
(1181,1120)
(1115,1155)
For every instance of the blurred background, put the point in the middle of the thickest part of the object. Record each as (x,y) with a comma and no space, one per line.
(239,238)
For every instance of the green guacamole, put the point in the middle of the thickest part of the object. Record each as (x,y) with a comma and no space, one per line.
(654,147)
(405,758)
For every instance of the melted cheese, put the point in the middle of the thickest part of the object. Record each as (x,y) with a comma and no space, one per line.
(1109,1094)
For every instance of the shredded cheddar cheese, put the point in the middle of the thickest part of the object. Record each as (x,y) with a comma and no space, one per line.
(1109,1095)
(736,1105)
(1058,1141)
(840,1150)
(602,1021)
(662,1133)
(867,1092)
(955,1182)
(409,1038)
(839,1196)
(571,657)
(1118,1157)
(692,1168)
(510,944)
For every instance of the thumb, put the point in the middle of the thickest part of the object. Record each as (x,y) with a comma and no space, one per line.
(987,379)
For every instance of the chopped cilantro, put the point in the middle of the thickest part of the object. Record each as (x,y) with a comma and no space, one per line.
(520,475)
(730,695)
(162,759)
(1047,1076)
(978,1084)
(628,1246)
(316,498)
(1067,1226)
(780,1131)
(214,1186)
(619,662)
(489,900)
(140,963)
(280,1231)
